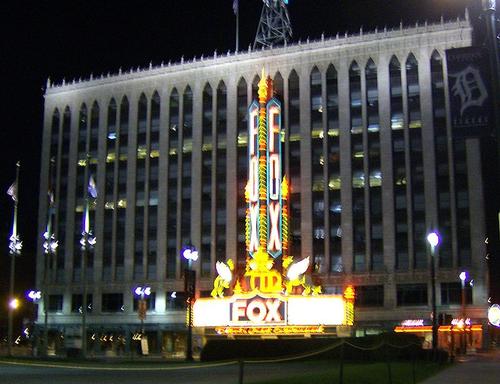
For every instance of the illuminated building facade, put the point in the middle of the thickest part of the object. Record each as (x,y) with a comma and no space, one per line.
(366,146)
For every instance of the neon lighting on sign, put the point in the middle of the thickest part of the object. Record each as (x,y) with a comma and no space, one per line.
(274,331)
(461,322)
(269,299)
(413,323)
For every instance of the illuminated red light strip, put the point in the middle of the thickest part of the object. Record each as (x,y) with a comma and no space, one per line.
(442,328)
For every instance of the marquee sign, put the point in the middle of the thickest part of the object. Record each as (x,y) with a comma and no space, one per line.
(272,295)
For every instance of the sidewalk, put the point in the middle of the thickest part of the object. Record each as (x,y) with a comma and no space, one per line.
(482,367)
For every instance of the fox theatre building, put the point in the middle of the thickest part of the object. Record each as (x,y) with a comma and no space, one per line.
(273,296)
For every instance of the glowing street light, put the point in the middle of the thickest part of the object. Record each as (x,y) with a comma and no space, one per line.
(190,254)
(433,239)
(34,296)
(14,304)
(494,315)
(463,277)
(142,291)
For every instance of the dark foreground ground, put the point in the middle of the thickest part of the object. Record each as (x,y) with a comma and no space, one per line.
(43,373)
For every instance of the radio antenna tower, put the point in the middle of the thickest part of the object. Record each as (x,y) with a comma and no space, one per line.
(274,25)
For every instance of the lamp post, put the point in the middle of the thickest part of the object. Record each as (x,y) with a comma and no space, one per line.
(142,293)
(50,245)
(15,247)
(190,254)
(433,240)
(87,243)
(463,277)
(35,297)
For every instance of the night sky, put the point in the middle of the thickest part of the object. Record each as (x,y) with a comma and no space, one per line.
(73,39)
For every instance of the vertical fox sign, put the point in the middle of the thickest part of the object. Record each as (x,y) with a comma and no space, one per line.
(272,296)
(265,184)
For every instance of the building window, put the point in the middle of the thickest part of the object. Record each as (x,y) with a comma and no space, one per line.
(150,302)
(369,296)
(140,187)
(206,180)
(112,302)
(442,164)
(186,175)
(77,303)
(334,182)
(416,163)
(399,165)
(122,187)
(172,183)
(294,162)
(152,187)
(317,170)
(175,300)
(242,167)
(221,171)
(374,184)
(411,294)
(55,303)
(451,293)
(358,170)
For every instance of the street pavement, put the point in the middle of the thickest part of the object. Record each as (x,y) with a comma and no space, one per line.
(481,368)
(44,373)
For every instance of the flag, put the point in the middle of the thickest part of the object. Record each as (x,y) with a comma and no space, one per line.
(50,194)
(92,187)
(235,6)
(12,191)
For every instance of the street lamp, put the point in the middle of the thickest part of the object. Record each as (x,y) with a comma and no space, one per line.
(433,239)
(35,297)
(87,243)
(50,245)
(14,304)
(190,254)
(142,293)
(463,277)
(15,247)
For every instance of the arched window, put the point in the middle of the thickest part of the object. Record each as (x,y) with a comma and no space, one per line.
(357,165)
(108,190)
(242,166)
(140,187)
(333,149)
(399,165)
(121,204)
(172,182)
(442,163)
(278,90)
(152,184)
(63,216)
(54,136)
(416,163)
(317,170)
(220,173)
(374,169)
(294,163)
(206,180)
(187,152)
(94,134)
(255,87)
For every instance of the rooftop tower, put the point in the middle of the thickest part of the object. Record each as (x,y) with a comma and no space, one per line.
(274,25)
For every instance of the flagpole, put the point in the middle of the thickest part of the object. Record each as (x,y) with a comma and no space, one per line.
(14,250)
(50,246)
(85,244)
(238,28)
